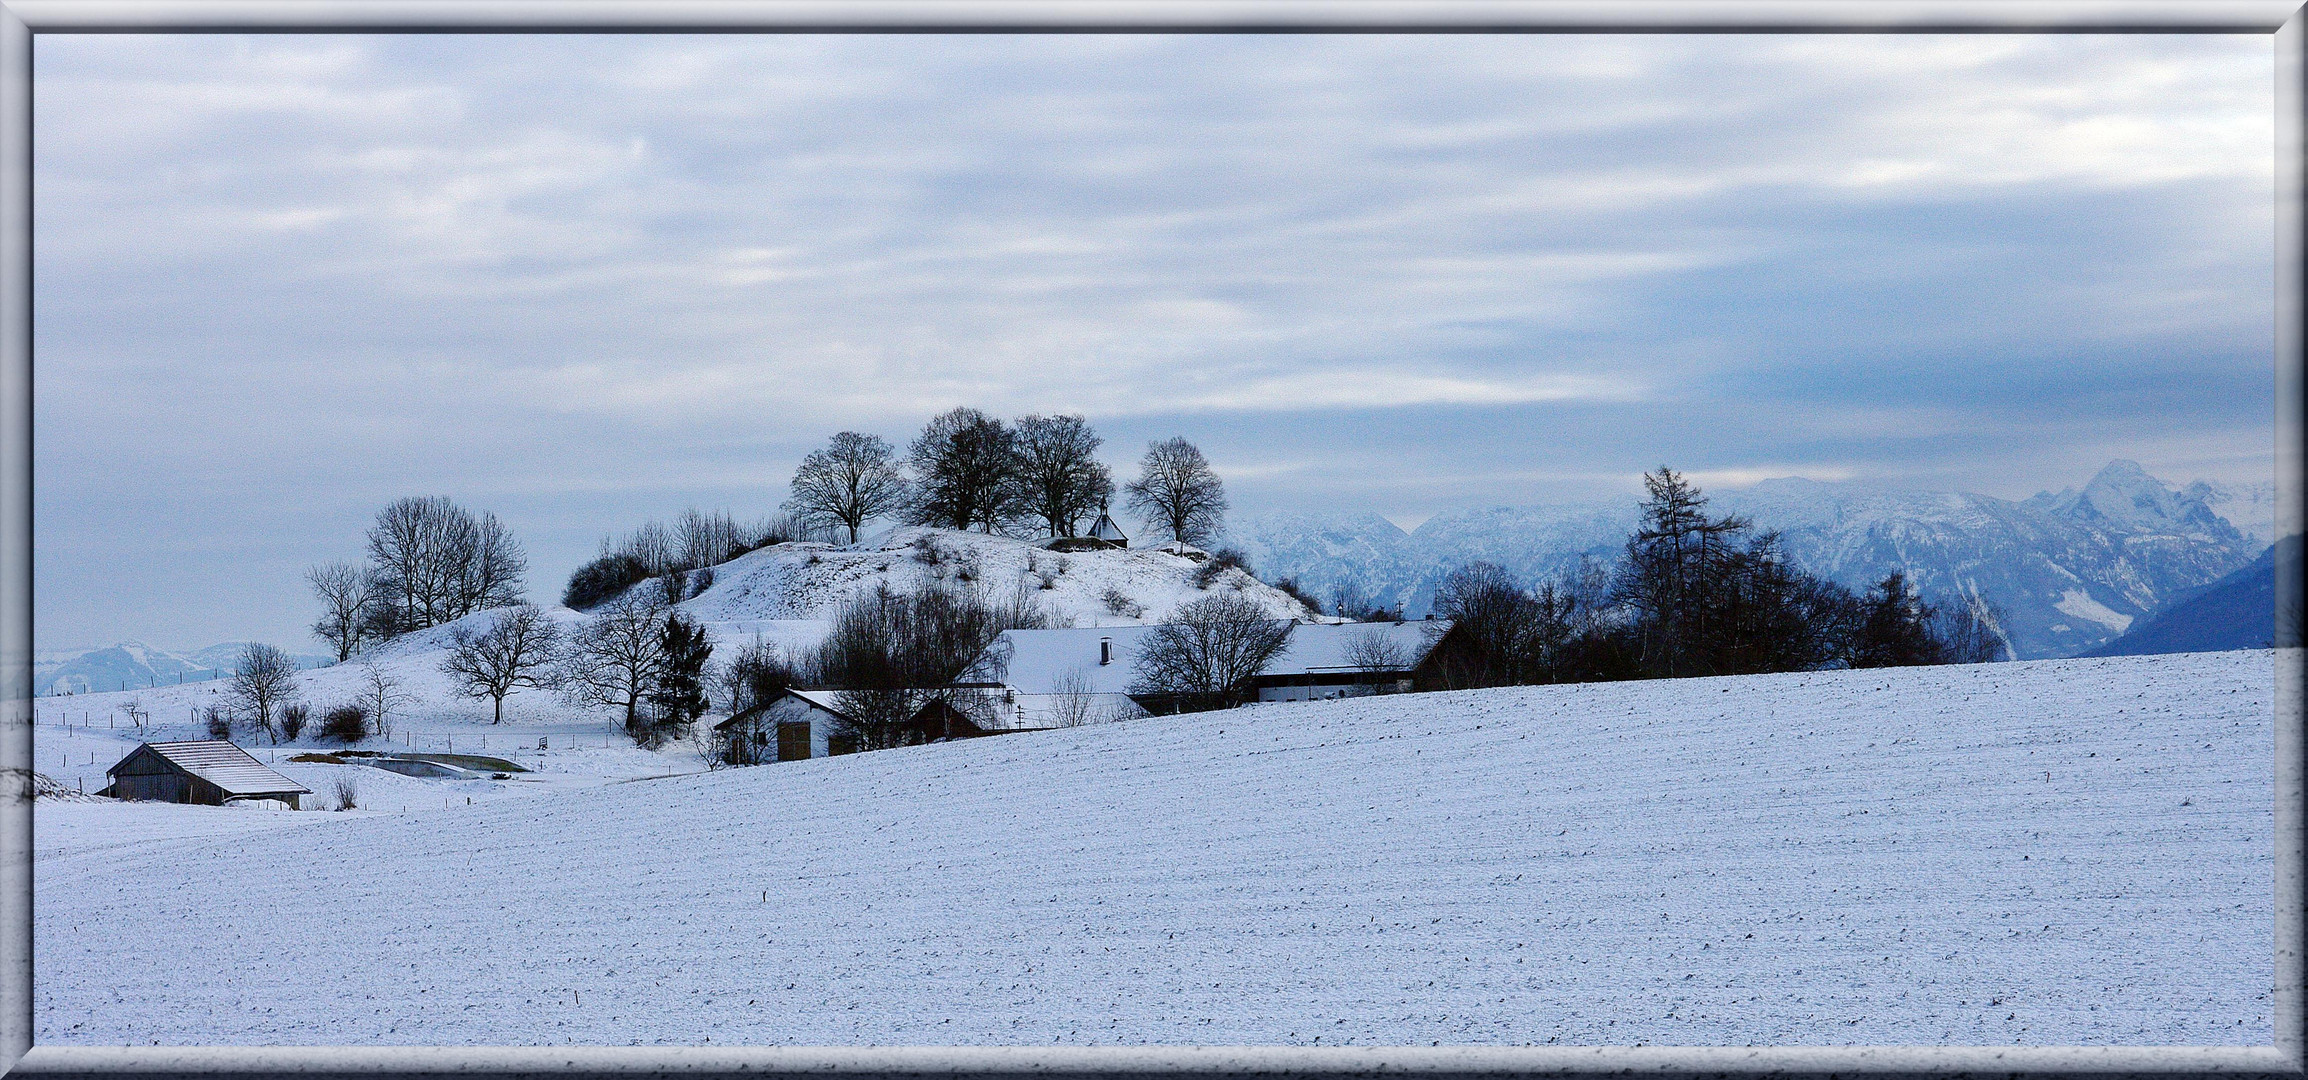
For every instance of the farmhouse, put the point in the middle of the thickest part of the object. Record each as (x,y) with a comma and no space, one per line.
(210,772)
(1038,679)
(1061,678)
(1330,660)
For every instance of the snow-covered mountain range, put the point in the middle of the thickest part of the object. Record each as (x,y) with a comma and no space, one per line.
(131,665)
(2070,570)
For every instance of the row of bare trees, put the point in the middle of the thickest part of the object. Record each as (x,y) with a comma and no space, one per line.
(683,554)
(968,470)
(429,562)
(264,697)
(637,655)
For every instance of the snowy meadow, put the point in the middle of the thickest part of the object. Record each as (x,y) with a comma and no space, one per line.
(2046,853)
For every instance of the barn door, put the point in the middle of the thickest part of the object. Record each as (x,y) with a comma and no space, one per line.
(793,740)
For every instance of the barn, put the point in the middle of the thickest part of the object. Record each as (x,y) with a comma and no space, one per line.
(793,726)
(210,772)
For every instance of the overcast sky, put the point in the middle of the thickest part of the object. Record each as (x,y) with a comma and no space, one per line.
(583,281)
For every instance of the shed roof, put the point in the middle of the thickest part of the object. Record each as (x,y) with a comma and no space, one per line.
(818,700)
(221,763)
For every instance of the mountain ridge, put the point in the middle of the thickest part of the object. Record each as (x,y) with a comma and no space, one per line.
(2071,570)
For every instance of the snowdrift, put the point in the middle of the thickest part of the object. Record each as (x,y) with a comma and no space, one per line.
(2055,852)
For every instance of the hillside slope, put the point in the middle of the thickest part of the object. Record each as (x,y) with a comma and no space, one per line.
(787,595)
(2235,612)
(812,581)
(2061,852)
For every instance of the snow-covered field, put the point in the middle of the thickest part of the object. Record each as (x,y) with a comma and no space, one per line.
(2054,852)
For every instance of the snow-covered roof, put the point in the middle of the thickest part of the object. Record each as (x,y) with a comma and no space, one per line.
(1106,530)
(221,763)
(821,700)
(1329,647)
(1037,661)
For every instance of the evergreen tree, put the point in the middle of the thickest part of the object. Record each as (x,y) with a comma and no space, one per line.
(1896,628)
(679,696)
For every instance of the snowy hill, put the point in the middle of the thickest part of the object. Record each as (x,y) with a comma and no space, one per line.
(2047,853)
(805,581)
(2072,570)
(787,594)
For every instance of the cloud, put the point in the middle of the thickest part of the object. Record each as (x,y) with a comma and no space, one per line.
(695,256)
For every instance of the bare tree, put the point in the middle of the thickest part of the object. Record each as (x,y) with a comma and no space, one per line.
(433,562)
(855,478)
(891,653)
(1496,620)
(263,680)
(380,693)
(1209,650)
(614,660)
(652,545)
(139,717)
(1177,491)
(1059,471)
(411,547)
(492,571)
(758,674)
(707,539)
(1971,631)
(512,653)
(1375,652)
(713,747)
(1072,703)
(346,594)
(965,472)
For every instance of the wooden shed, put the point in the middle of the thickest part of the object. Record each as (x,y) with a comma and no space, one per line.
(804,724)
(210,772)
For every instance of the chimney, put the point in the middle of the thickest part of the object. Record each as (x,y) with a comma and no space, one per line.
(1105,651)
